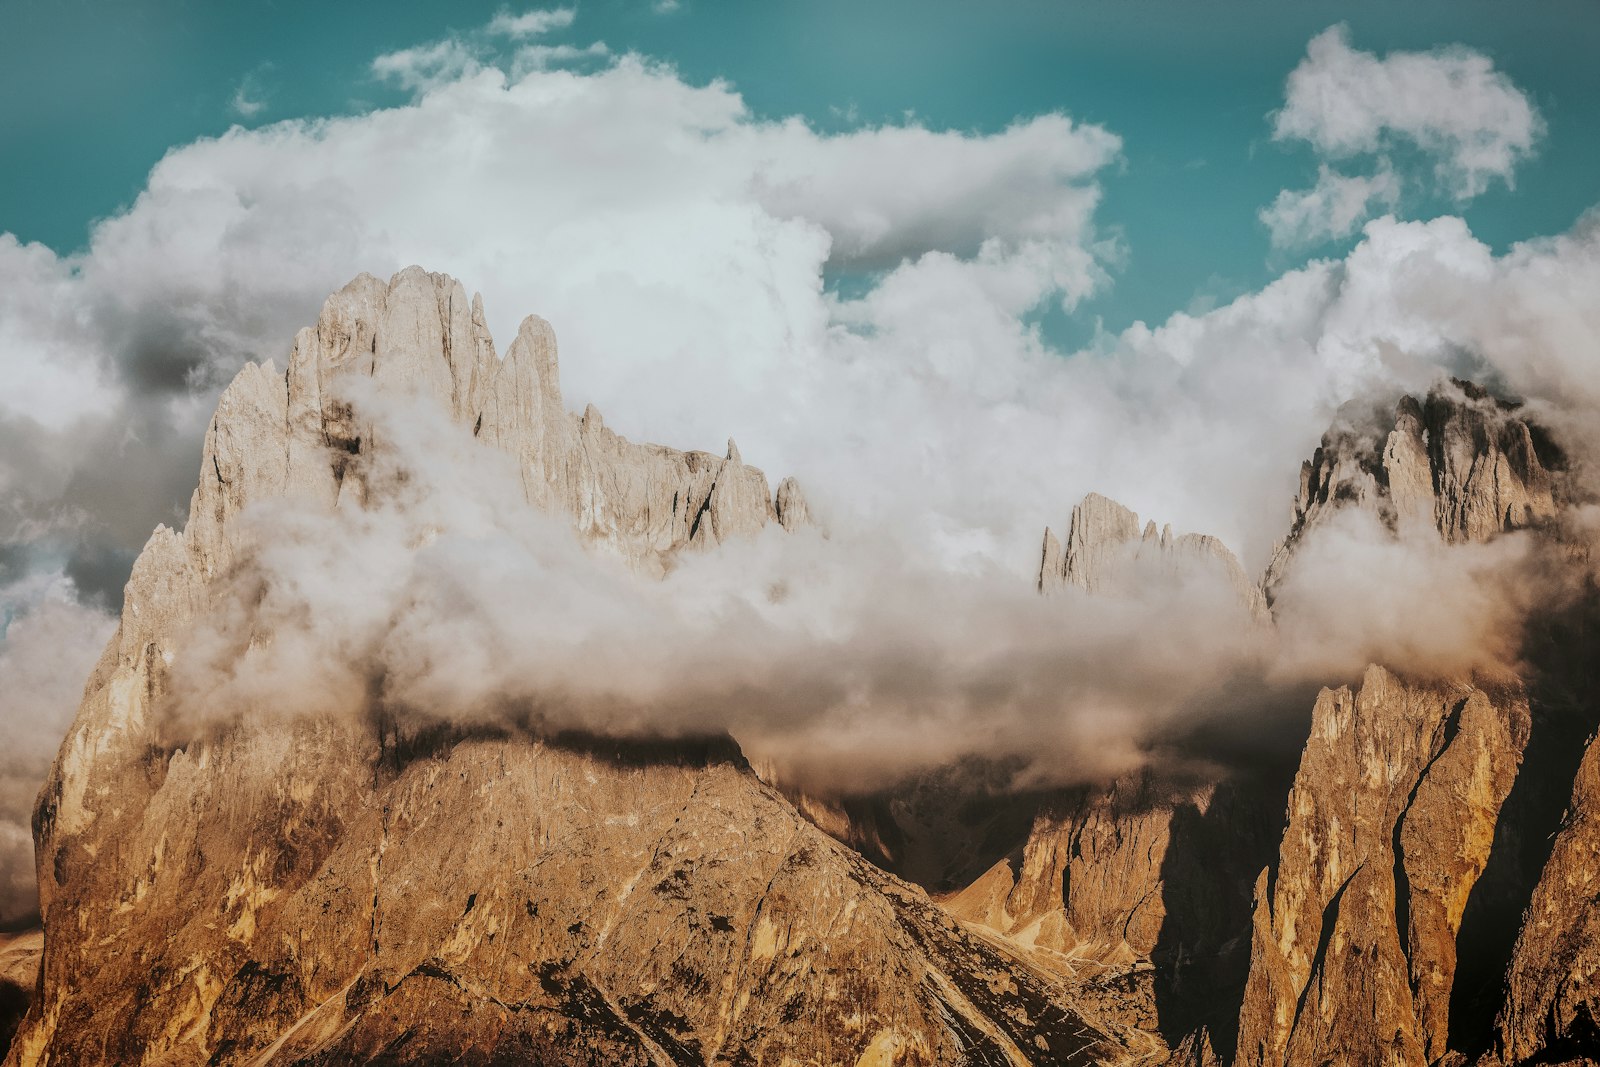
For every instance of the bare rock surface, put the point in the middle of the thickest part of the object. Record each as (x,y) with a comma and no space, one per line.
(1552,1006)
(1107,551)
(353,889)
(1390,823)
(1139,891)
(19,975)
(1461,462)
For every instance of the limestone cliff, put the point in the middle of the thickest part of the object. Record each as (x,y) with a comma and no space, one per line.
(1461,462)
(1105,548)
(357,889)
(1390,823)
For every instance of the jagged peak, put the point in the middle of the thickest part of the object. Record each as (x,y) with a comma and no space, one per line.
(1461,464)
(1103,534)
(297,434)
(794,511)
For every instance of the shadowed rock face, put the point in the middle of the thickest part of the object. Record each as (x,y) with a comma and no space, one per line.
(353,890)
(1551,1012)
(19,973)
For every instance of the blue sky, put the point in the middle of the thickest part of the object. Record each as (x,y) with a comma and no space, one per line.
(93,94)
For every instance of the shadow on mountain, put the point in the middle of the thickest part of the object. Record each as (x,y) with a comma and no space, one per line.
(1202,954)
(1563,678)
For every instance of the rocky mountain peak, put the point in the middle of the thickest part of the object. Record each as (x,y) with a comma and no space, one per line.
(1105,543)
(1460,464)
(347,888)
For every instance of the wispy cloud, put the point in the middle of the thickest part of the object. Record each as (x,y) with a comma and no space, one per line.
(250,96)
(535,23)
(425,66)
(1333,208)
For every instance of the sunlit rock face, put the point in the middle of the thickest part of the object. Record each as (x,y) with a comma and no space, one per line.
(353,889)
(1390,824)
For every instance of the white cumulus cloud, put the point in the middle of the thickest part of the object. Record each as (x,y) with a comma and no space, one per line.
(1452,103)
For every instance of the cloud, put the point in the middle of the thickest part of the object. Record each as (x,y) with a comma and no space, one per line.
(50,643)
(678,242)
(427,66)
(1469,120)
(1356,595)
(250,98)
(1335,207)
(546,56)
(1451,103)
(846,660)
(535,23)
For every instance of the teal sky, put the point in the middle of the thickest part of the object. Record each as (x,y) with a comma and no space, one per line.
(92,95)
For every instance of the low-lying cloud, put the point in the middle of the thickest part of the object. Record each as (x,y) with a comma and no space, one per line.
(846,660)
(46,655)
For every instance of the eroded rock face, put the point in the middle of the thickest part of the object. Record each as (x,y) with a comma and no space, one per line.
(1552,1006)
(1390,823)
(1106,549)
(1460,462)
(352,889)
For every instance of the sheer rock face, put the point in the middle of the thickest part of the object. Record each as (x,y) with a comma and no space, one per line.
(1461,463)
(347,890)
(1105,545)
(1089,879)
(19,974)
(1552,1007)
(1139,890)
(1390,823)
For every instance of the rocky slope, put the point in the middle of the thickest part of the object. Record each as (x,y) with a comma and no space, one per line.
(359,889)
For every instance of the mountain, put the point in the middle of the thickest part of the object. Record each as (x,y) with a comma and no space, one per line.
(361,887)
(360,882)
